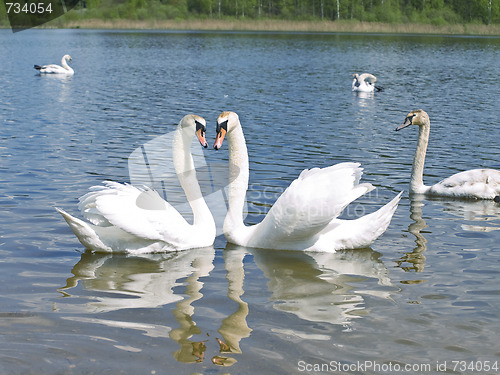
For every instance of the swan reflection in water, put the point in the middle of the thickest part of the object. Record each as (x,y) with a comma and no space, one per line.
(136,281)
(119,281)
(415,260)
(317,287)
(474,215)
(364,95)
(479,215)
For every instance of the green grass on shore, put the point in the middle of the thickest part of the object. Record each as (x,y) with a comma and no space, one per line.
(273,25)
(282,25)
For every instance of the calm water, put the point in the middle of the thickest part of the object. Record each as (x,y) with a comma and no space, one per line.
(425,293)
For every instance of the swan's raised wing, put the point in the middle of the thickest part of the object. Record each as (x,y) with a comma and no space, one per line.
(140,212)
(315,198)
(370,78)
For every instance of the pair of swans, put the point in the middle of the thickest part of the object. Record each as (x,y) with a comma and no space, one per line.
(124,218)
(471,184)
(365,83)
(64,68)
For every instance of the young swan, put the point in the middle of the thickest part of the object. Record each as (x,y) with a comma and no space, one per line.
(305,216)
(472,184)
(56,69)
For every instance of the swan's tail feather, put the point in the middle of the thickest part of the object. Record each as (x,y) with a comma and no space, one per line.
(84,232)
(372,226)
(362,232)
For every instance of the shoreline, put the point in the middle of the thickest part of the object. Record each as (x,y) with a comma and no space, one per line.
(273,25)
(284,26)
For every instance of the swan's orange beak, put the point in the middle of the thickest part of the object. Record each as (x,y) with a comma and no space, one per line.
(221,130)
(219,139)
(201,137)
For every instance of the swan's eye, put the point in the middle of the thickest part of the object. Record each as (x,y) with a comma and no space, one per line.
(200,126)
(222,125)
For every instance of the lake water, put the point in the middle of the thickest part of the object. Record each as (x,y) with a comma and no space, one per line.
(426,294)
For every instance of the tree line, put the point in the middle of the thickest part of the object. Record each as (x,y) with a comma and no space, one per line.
(436,12)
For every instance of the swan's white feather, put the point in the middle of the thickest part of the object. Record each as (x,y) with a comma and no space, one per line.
(124,218)
(370,78)
(474,183)
(361,232)
(111,238)
(142,213)
(311,201)
(53,68)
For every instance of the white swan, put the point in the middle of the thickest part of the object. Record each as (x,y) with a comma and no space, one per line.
(57,69)
(305,216)
(475,183)
(365,83)
(123,218)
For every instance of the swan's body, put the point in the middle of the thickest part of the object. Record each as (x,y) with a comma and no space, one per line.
(57,69)
(364,83)
(124,218)
(471,184)
(305,216)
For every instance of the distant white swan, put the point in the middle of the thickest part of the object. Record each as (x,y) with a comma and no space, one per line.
(57,69)
(474,183)
(364,83)
(123,218)
(305,216)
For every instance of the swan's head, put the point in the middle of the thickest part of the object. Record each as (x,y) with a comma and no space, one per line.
(417,117)
(199,124)
(226,122)
(67,58)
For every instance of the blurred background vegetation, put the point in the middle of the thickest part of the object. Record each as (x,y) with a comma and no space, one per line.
(431,12)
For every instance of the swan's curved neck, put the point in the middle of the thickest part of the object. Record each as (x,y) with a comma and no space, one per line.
(238,177)
(184,167)
(65,65)
(417,172)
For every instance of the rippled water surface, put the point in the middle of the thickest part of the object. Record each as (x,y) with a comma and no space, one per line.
(425,294)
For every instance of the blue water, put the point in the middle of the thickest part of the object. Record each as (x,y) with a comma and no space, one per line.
(425,294)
